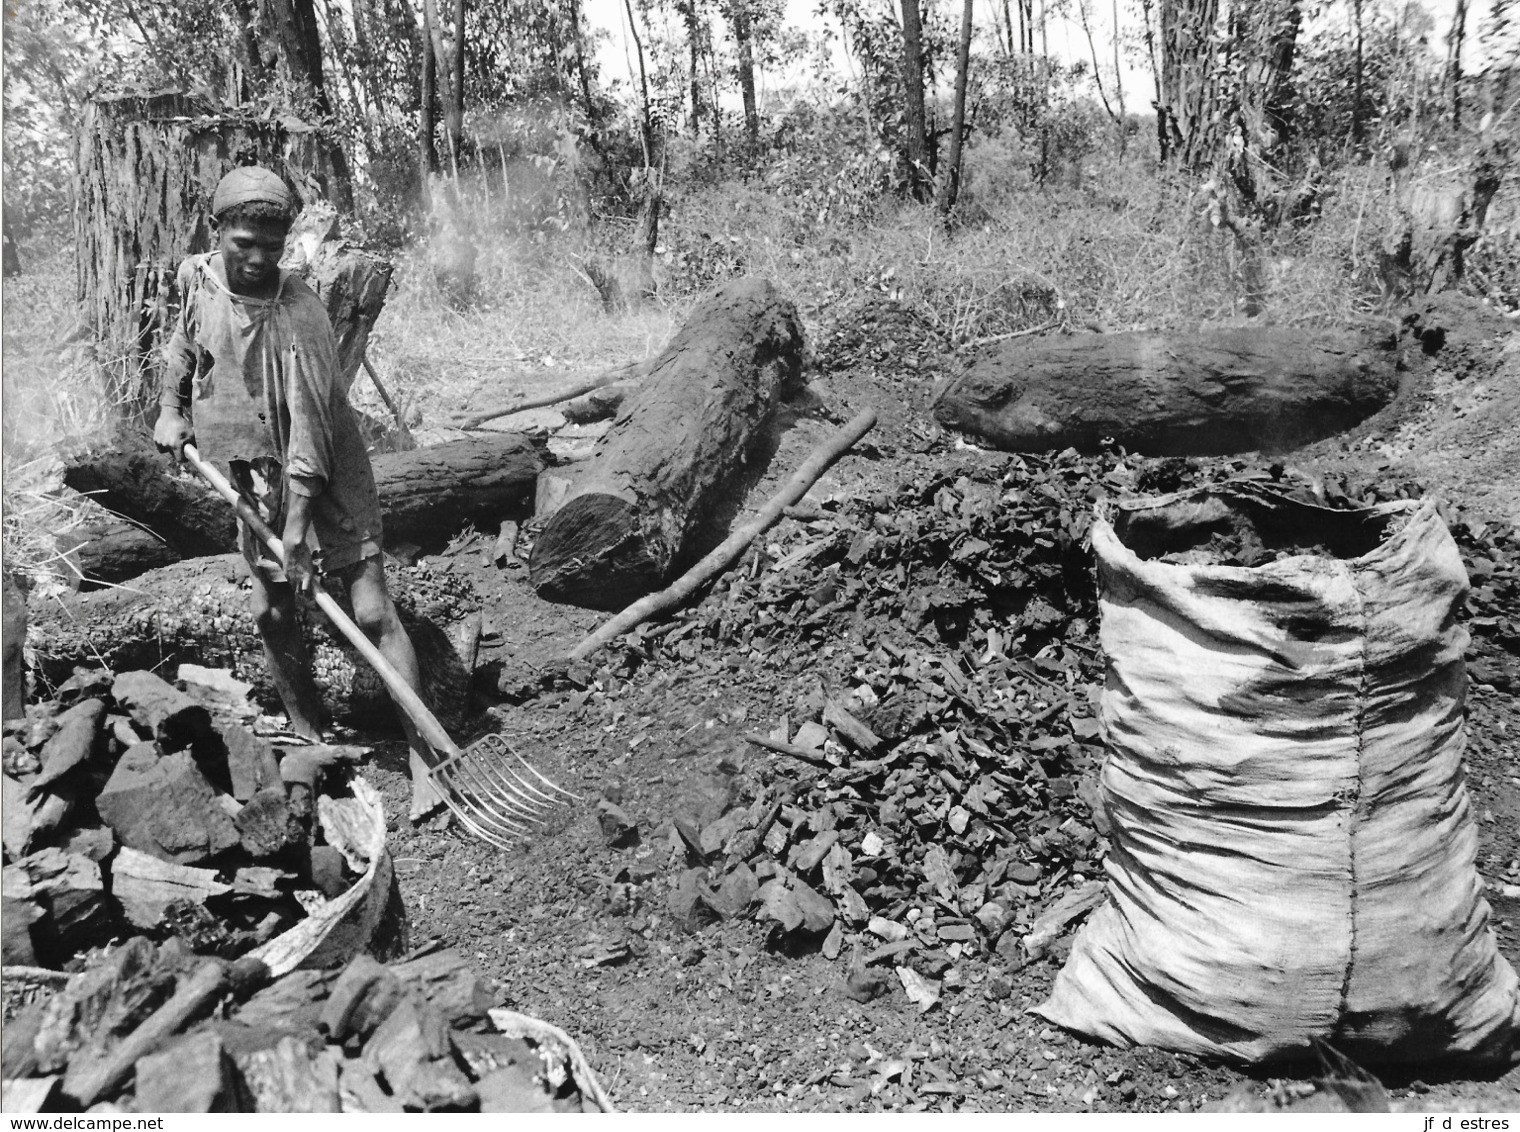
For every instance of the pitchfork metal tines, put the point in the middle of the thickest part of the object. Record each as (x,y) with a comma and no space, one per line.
(482,788)
(480,785)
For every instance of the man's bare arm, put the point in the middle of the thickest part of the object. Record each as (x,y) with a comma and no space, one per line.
(172,431)
(299,569)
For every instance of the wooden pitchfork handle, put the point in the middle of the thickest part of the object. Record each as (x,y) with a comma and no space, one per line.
(405,696)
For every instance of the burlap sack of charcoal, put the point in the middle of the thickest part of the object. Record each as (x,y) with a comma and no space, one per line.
(1293,848)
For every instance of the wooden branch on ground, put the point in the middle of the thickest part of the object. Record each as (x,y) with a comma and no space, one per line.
(789,749)
(390,403)
(1025,333)
(467,420)
(722,556)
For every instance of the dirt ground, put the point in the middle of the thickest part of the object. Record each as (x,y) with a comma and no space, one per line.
(579,932)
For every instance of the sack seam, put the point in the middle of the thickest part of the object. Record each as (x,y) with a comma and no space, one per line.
(1354,800)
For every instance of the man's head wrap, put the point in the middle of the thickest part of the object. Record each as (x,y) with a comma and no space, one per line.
(251,184)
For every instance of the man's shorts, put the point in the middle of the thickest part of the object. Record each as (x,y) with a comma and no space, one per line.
(329,560)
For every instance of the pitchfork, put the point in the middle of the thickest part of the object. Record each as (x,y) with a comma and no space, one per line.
(479,784)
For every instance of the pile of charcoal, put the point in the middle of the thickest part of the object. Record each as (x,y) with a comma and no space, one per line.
(134,807)
(937,672)
(140,1031)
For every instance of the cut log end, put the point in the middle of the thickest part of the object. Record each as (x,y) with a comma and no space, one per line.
(592,553)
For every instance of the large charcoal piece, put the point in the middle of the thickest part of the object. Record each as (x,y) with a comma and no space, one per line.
(1213,393)
(678,446)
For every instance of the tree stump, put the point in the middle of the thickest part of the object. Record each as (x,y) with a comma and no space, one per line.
(146,168)
(677,446)
(1204,394)
(352,285)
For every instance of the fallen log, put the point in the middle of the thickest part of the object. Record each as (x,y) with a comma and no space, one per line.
(675,450)
(196,612)
(138,484)
(426,495)
(101,554)
(723,555)
(1211,393)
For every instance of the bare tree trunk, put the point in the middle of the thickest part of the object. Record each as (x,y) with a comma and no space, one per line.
(1092,47)
(713,98)
(913,83)
(1189,82)
(950,187)
(428,119)
(335,19)
(295,23)
(693,22)
(255,67)
(1002,31)
(1454,40)
(739,18)
(1266,40)
(441,66)
(695,83)
(583,77)
(1119,87)
(1358,78)
(647,121)
(1163,140)
(145,171)
(1270,47)
(456,110)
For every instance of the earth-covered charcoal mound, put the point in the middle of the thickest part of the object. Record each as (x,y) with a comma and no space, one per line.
(197,612)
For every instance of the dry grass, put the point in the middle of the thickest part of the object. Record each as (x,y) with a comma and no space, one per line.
(53,398)
(537,323)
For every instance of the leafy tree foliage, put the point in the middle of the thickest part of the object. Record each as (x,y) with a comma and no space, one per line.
(49,61)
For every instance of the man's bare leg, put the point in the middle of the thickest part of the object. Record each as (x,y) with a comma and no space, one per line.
(286,655)
(376,615)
